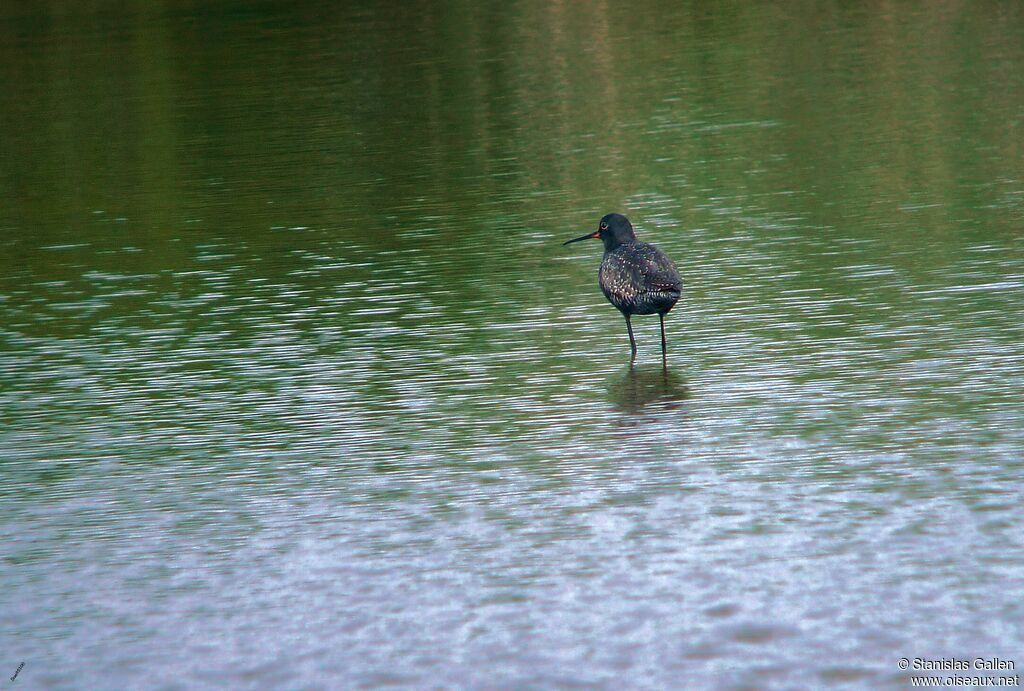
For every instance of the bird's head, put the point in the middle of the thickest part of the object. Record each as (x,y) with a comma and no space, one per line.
(613,230)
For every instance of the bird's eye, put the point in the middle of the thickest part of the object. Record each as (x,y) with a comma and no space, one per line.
(604,226)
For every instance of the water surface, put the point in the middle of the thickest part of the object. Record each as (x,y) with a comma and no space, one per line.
(299,389)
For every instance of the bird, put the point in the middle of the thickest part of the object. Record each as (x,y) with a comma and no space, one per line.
(636,277)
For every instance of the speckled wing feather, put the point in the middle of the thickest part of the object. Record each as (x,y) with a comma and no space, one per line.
(660,272)
(639,278)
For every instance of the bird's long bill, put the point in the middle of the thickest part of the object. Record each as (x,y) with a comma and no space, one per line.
(585,237)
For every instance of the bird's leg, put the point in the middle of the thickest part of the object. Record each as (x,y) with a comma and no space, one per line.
(632,341)
(664,347)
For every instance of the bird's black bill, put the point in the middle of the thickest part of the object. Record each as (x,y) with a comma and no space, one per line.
(585,237)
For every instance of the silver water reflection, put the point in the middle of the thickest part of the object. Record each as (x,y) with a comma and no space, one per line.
(298,387)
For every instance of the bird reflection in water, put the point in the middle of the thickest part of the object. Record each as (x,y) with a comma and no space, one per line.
(647,388)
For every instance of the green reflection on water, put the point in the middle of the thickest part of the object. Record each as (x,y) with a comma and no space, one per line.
(267,270)
(241,181)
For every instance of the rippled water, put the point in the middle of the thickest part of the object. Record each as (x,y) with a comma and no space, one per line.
(298,387)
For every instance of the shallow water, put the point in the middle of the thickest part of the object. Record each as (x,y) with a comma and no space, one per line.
(298,387)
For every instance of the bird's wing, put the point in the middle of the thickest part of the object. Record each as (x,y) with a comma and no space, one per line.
(659,271)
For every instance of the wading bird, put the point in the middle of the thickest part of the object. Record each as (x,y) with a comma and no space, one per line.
(636,277)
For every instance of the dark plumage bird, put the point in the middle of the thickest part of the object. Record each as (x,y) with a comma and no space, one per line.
(635,276)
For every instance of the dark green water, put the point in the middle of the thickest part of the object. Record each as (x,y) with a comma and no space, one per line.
(298,388)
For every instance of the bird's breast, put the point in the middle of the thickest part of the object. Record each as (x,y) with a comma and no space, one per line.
(618,279)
